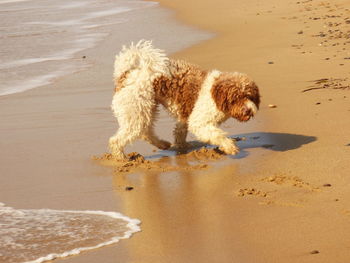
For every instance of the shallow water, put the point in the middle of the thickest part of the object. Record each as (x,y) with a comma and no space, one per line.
(40,39)
(44,234)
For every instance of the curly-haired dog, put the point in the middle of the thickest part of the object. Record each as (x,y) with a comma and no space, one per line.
(200,100)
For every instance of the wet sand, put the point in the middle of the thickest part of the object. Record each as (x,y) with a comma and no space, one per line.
(284,198)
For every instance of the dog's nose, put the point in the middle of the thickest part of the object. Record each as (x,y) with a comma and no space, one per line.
(247,112)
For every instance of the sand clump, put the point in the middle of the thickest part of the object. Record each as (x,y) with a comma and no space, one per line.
(137,162)
(195,157)
(134,162)
(251,192)
(205,154)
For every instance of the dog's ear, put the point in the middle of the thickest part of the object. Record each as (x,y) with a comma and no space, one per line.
(253,94)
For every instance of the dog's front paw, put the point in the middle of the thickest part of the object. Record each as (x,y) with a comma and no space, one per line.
(232,150)
(164,145)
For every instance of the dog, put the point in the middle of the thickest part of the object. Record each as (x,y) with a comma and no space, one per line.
(200,100)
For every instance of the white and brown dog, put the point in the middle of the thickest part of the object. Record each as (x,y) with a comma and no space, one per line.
(200,100)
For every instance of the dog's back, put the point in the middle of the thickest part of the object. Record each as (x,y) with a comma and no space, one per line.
(179,91)
(139,63)
(135,69)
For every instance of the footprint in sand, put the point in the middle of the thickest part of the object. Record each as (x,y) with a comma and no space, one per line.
(251,192)
(289,180)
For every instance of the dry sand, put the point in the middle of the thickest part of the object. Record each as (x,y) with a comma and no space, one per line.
(284,198)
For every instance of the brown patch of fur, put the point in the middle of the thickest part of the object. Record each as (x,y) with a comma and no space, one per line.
(181,88)
(231,90)
(118,82)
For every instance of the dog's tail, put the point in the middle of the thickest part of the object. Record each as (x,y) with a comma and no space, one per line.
(143,57)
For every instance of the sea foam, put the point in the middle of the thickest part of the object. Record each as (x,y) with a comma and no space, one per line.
(35,236)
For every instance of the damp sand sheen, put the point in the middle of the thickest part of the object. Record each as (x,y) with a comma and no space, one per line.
(39,235)
(45,42)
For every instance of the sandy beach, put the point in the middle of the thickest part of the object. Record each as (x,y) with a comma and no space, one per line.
(284,198)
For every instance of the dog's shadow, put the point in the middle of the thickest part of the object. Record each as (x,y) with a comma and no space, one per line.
(279,142)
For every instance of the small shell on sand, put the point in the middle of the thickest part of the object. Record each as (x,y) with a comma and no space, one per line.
(272,106)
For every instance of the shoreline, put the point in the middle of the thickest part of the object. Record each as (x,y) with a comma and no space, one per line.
(76,58)
(49,134)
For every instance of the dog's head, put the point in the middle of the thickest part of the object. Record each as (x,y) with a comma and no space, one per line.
(236,95)
(243,110)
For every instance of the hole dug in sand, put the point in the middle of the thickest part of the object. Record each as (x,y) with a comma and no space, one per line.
(204,154)
(196,160)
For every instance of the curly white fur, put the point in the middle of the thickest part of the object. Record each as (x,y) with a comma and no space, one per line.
(205,117)
(134,104)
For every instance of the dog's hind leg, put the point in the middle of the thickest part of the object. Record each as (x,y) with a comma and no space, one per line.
(118,142)
(149,134)
(134,117)
(152,138)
